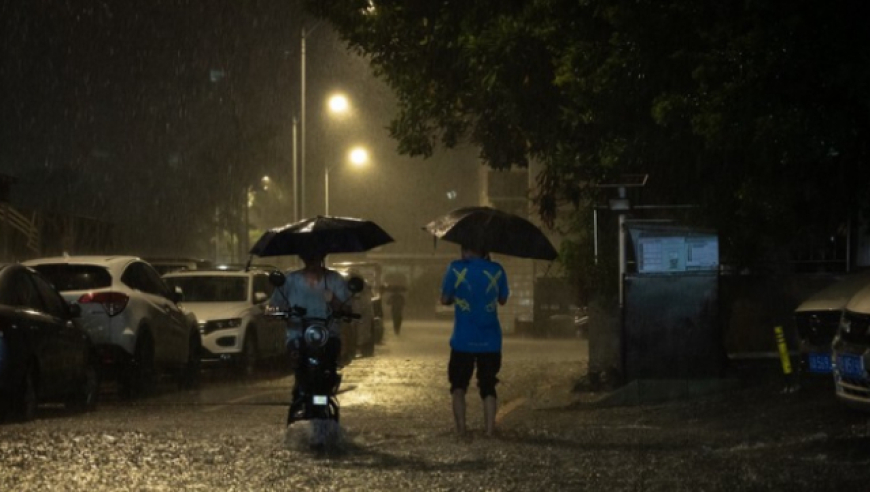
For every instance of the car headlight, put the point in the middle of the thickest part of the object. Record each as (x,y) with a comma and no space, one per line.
(845,324)
(222,324)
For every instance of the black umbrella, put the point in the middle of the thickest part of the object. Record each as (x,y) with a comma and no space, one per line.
(321,234)
(494,231)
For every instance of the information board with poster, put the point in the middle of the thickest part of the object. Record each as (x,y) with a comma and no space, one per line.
(666,248)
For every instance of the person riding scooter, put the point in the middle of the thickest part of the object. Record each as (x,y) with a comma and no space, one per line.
(319,291)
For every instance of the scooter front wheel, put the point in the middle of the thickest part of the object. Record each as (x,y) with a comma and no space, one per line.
(296,411)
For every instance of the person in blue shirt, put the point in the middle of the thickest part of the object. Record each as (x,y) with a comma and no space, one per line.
(475,286)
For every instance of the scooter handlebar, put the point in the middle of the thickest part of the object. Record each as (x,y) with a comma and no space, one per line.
(299,312)
(347,315)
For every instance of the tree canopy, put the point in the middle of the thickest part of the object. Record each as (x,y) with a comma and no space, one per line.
(754,110)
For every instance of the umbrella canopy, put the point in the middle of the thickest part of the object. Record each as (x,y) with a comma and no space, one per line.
(494,231)
(321,234)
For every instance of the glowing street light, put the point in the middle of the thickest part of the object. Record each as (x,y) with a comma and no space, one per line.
(358,156)
(338,104)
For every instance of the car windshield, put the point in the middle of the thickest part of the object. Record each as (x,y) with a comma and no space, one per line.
(208,288)
(75,277)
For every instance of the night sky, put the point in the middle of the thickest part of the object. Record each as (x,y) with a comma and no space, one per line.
(153,114)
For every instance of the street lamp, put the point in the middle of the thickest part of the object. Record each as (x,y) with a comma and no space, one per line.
(338,104)
(295,176)
(303,38)
(358,157)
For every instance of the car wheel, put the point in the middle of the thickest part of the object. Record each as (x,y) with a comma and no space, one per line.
(88,391)
(368,348)
(25,400)
(378,330)
(139,378)
(349,344)
(189,376)
(249,353)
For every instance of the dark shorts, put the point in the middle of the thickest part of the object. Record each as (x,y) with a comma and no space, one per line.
(461,368)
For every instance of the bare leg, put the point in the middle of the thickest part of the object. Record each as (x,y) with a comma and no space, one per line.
(489,408)
(459,410)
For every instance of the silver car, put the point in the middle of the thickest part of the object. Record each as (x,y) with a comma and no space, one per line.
(230,312)
(850,352)
(132,317)
(817,319)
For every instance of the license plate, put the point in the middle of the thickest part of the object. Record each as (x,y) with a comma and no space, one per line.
(319,399)
(851,365)
(819,362)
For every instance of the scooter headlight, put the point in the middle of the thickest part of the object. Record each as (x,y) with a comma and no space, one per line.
(316,336)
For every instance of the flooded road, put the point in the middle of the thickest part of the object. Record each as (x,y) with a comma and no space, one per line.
(397,434)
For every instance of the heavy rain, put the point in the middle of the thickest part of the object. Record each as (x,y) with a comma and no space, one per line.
(641,226)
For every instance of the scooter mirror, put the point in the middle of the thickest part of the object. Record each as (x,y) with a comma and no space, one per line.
(356,284)
(276,278)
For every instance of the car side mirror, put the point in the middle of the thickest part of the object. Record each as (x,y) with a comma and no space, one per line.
(177,295)
(260,297)
(277,278)
(356,284)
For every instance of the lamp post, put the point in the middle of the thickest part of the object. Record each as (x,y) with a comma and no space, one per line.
(303,37)
(358,157)
(621,206)
(295,176)
(302,123)
(338,105)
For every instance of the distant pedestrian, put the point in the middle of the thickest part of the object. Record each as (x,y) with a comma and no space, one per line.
(397,305)
(475,285)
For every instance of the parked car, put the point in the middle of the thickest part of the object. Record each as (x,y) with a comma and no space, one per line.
(850,352)
(817,318)
(230,313)
(370,272)
(165,265)
(132,317)
(44,354)
(360,335)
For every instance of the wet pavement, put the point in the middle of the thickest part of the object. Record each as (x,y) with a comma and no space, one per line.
(396,433)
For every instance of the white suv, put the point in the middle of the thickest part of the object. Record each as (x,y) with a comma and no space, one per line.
(230,310)
(850,352)
(132,317)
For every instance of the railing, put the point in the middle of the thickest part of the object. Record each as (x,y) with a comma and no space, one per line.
(29,227)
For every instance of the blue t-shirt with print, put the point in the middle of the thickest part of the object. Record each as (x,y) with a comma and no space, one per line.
(476,285)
